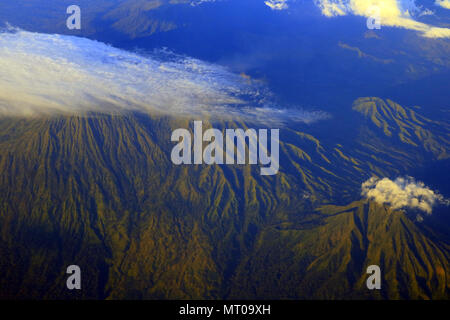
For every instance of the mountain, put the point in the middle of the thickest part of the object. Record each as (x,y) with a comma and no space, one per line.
(123,18)
(406,125)
(101,192)
(327,258)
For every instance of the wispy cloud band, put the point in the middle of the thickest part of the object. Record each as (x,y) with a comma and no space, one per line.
(47,74)
(394,13)
(443,3)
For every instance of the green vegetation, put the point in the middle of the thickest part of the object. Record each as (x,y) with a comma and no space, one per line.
(101,192)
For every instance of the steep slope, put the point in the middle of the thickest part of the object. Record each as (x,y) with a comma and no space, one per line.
(407,125)
(100,191)
(328,258)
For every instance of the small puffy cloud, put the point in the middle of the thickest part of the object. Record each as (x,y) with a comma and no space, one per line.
(49,74)
(443,3)
(333,8)
(277,4)
(392,13)
(401,193)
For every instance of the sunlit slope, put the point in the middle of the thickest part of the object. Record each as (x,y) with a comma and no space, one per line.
(101,192)
(384,139)
(407,125)
(328,257)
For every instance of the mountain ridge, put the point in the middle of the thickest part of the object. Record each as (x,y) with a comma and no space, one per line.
(100,191)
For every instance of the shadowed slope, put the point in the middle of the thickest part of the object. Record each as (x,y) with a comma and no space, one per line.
(101,192)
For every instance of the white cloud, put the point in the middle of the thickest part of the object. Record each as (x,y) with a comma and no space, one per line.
(199,2)
(402,193)
(443,3)
(426,12)
(393,13)
(277,4)
(47,74)
(333,8)
(273,4)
